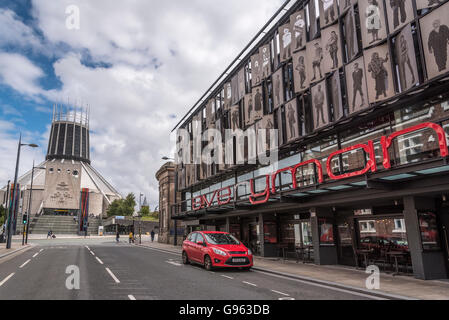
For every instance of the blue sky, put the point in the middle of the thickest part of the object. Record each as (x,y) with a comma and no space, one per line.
(139,64)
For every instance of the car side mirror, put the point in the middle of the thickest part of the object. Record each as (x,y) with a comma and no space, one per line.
(200,243)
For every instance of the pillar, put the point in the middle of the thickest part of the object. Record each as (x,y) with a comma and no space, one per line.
(228,225)
(261,235)
(323,254)
(427,265)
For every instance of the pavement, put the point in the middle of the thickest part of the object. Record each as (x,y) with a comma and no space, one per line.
(401,287)
(106,270)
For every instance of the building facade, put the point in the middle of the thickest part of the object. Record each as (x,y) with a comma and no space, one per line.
(360,104)
(170,231)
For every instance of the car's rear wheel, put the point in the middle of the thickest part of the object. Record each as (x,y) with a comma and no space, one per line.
(208,263)
(185,258)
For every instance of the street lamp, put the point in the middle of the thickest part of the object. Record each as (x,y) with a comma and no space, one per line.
(15,192)
(167,158)
(29,206)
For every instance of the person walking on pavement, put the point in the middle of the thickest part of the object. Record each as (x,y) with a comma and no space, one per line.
(117,237)
(152,235)
(131,237)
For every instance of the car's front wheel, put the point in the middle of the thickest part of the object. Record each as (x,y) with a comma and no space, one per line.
(208,263)
(185,258)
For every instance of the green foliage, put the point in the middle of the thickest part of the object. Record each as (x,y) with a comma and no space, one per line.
(145,212)
(2,215)
(123,207)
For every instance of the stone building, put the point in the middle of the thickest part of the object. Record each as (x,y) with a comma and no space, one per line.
(59,180)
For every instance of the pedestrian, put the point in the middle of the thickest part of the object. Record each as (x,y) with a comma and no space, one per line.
(152,235)
(49,234)
(117,237)
(131,237)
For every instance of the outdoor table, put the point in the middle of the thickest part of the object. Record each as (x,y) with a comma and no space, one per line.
(396,255)
(364,253)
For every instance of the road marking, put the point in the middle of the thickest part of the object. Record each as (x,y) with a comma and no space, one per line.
(281,293)
(41,250)
(131,297)
(101,262)
(35,255)
(6,279)
(174,263)
(249,283)
(87,248)
(113,276)
(23,265)
(227,277)
(92,253)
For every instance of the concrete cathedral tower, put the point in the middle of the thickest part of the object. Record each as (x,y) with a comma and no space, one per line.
(69,137)
(65,185)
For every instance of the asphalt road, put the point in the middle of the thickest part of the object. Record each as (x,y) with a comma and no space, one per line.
(110,271)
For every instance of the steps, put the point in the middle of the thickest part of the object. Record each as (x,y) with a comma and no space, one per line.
(61,225)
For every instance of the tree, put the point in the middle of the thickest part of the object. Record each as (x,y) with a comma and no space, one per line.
(123,207)
(145,212)
(2,215)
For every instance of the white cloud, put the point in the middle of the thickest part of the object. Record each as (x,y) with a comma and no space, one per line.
(162,56)
(19,73)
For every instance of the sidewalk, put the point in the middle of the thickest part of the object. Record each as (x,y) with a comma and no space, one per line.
(405,286)
(15,247)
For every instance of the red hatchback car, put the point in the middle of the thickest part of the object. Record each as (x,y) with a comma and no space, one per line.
(216,250)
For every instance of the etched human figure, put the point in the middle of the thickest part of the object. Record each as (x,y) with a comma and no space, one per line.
(301,68)
(398,7)
(379,73)
(235,119)
(287,40)
(438,42)
(373,21)
(404,58)
(258,101)
(316,63)
(265,62)
(332,48)
(357,82)
(250,108)
(299,29)
(329,10)
(318,102)
(291,116)
(349,27)
(277,90)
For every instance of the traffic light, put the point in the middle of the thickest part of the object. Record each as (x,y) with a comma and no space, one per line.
(25,218)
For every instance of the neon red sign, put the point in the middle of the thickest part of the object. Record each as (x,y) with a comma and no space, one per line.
(224,196)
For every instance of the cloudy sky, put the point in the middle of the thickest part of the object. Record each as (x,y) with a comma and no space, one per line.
(139,64)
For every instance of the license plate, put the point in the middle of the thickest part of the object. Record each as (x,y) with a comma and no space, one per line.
(238,260)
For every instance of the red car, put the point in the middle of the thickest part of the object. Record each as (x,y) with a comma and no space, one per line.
(216,250)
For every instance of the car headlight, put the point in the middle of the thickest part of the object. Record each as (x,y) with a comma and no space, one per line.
(250,252)
(220,252)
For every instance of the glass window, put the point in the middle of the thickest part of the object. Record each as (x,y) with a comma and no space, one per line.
(387,234)
(270,232)
(199,238)
(192,237)
(326,232)
(221,238)
(429,230)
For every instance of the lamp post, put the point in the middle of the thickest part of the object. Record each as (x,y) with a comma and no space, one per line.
(15,192)
(30,199)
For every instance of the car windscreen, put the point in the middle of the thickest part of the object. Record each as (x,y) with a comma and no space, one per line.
(221,238)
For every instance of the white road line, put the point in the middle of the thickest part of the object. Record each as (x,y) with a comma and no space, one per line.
(174,263)
(23,265)
(101,262)
(35,255)
(249,283)
(41,250)
(87,248)
(92,253)
(6,279)
(227,277)
(113,276)
(131,297)
(281,293)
